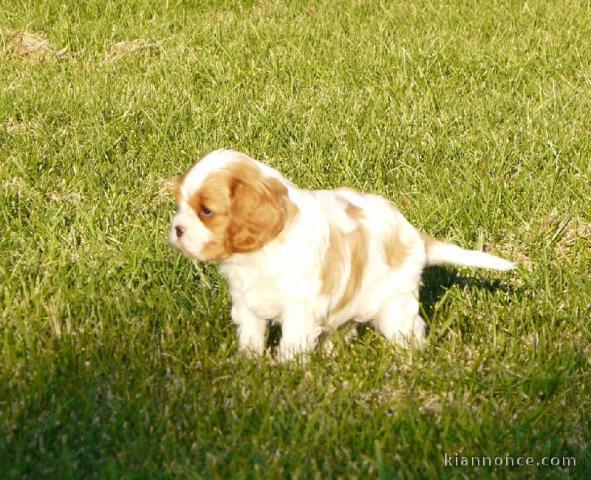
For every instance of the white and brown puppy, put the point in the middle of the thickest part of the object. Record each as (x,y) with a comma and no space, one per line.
(311,260)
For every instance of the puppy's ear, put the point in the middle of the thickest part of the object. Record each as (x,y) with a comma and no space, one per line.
(258,211)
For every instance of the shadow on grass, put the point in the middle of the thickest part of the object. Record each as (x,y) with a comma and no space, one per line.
(438,280)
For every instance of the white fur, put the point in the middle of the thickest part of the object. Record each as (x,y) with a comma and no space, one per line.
(194,238)
(443,252)
(281,281)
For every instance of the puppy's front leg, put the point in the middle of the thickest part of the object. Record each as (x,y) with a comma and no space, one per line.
(251,331)
(299,333)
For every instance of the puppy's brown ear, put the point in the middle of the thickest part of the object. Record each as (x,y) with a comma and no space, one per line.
(258,211)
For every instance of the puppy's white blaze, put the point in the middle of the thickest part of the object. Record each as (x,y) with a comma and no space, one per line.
(211,162)
(447,253)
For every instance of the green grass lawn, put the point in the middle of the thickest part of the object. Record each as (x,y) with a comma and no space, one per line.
(117,355)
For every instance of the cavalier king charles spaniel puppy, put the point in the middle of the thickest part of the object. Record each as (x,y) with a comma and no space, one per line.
(312,260)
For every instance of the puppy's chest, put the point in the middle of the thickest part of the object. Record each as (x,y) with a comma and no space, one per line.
(263,294)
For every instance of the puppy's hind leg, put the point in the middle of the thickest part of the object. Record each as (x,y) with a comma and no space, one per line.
(400,322)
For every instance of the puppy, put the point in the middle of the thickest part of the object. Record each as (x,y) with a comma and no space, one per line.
(312,260)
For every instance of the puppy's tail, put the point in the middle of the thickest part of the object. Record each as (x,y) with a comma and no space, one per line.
(442,252)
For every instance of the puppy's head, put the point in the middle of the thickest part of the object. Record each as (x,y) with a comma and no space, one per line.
(227,205)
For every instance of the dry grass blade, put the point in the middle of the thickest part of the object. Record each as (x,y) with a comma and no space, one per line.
(128,47)
(573,230)
(32,47)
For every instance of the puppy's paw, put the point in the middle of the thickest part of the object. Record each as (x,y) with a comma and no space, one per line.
(414,335)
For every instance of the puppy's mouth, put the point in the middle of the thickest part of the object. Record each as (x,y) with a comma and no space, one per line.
(177,244)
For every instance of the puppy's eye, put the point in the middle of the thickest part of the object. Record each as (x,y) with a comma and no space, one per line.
(206,212)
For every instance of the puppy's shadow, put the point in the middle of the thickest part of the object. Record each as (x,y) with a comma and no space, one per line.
(273,335)
(438,280)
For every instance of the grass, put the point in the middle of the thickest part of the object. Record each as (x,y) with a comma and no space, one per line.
(117,356)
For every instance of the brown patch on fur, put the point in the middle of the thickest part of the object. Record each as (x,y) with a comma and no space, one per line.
(429,241)
(357,243)
(258,209)
(248,209)
(214,196)
(332,268)
(396,251)
(353,211)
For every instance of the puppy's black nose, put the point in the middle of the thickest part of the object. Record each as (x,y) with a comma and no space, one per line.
(179,231)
